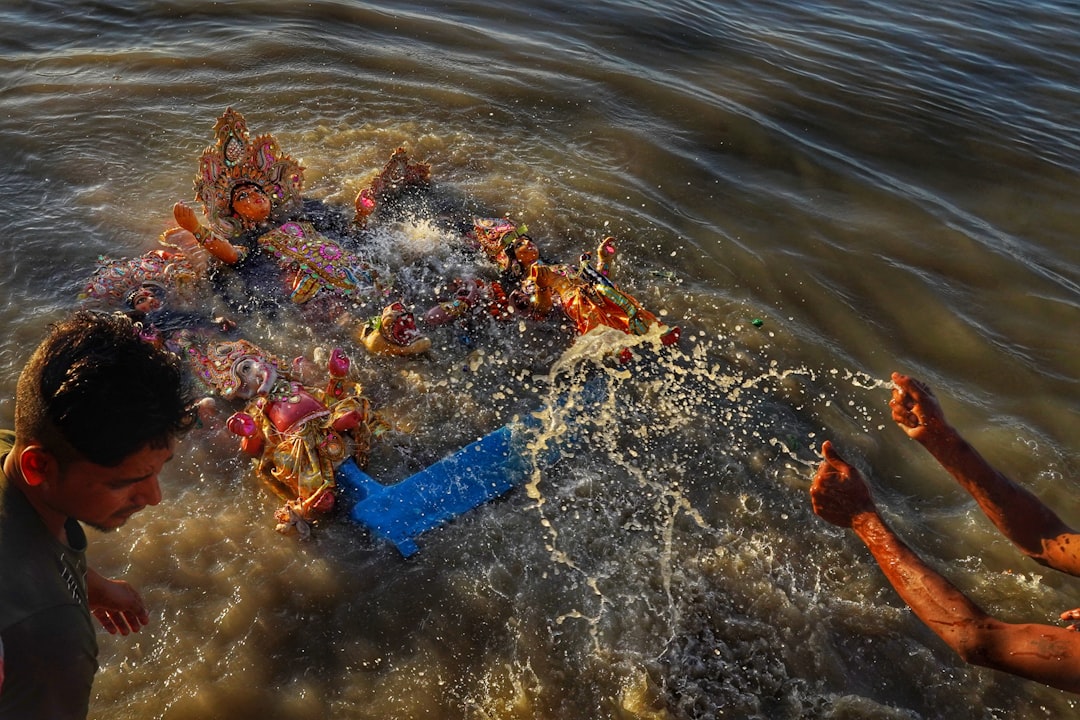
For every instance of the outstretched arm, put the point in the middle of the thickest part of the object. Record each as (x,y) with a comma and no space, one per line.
(1032,526)
(223,250)
(1044,653)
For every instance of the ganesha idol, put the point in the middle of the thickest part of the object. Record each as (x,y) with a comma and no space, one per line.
(297,435)
(250,191)
(584,293)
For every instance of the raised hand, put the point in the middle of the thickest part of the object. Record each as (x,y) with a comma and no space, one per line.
(186,217)
(915,408)
(839,493)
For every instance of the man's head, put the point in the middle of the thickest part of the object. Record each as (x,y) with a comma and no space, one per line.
(97,410)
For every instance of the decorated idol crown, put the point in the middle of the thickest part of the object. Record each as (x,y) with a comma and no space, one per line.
(235,159)
(170,275)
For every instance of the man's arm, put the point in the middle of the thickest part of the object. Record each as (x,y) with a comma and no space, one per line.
(1047,654)
(1032,526)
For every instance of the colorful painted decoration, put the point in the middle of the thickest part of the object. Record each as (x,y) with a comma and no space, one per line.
(394,332)
(584,293)
(296,434)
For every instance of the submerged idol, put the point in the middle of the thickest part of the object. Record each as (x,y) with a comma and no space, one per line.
(296,434)
(251,195)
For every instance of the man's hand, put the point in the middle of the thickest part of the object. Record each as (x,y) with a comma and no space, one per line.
(915,409)
(117,606)
(839,494)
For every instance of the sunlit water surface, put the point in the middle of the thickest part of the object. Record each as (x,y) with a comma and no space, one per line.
(884,187)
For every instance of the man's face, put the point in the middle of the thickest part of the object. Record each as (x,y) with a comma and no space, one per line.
(105,497)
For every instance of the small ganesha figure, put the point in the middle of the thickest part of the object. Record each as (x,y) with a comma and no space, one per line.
(296,434)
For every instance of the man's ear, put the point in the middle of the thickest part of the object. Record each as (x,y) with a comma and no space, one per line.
(36,465)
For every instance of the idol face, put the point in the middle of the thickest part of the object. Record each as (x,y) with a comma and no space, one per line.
(251,203)
(256,377)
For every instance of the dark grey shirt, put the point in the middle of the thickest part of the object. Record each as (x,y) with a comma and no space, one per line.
(50,649)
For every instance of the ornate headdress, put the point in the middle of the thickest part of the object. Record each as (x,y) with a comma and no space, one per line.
(398,175)
(114,281)
(494,236)
(216,366)
(234,159)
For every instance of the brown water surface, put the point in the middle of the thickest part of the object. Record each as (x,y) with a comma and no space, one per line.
(884,187)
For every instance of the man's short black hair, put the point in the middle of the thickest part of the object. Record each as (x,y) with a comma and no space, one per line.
(95,389)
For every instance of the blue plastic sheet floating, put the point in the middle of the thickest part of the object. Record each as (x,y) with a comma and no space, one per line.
(479,472)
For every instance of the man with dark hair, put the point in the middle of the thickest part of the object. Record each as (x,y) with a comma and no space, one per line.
(97,414)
